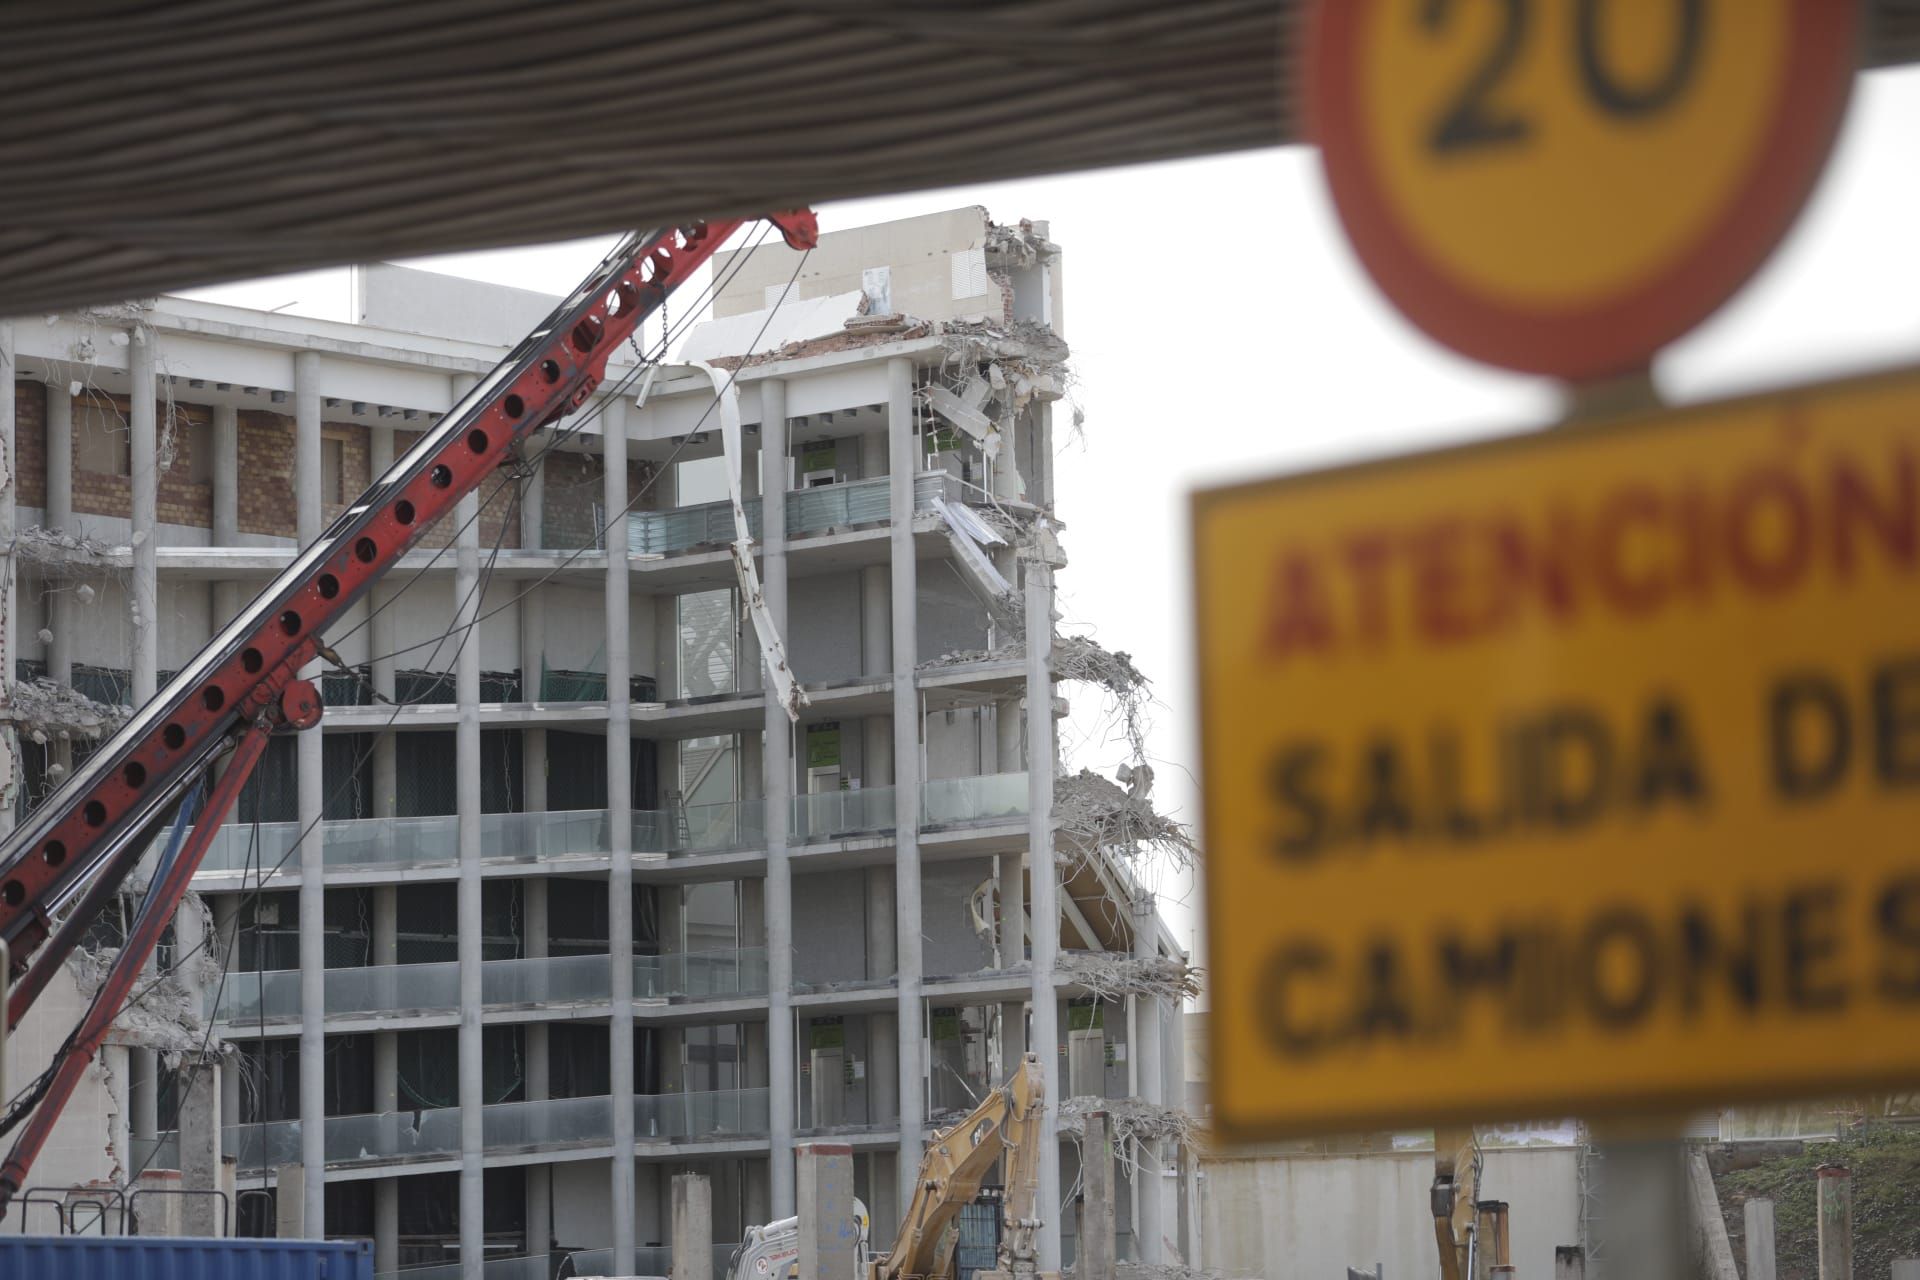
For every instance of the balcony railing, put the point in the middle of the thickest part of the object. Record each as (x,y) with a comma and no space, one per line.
(395,1136)
(987,798)
(831,506)
(831,815)
(399,989)
(400,844)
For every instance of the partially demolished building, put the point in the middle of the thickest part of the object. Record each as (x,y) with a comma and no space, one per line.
(813,870)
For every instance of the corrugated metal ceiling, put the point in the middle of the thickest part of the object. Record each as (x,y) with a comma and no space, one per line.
(150,146)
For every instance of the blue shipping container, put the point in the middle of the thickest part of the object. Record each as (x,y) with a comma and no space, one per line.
(164,1258)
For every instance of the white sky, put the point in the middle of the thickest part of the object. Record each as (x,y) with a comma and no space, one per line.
(1222,329)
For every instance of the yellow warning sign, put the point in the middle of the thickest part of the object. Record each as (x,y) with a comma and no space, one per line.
(1574,773)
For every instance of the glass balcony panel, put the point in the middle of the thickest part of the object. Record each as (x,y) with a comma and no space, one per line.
(659,533)
(831,506)
(720,1113)
(709,828)
(524,984)
(833,814)
(553,1123)
(987,798)
(371,990)
(528,837)
(734,972)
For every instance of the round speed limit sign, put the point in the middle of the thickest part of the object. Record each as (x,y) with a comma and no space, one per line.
(1564,186)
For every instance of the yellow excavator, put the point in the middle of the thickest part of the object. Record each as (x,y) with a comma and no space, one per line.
(1007,1122)
(1471,1233)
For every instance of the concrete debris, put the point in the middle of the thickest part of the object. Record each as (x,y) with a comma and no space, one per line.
(45,709)
(51,547)
(967,657)
(1111,976)
(1081,659)
(1133,1120)
(1163,1271)
(1098,815)
(1016,245)
(168,1011)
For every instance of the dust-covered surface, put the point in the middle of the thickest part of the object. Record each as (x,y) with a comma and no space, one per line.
(1885,1161)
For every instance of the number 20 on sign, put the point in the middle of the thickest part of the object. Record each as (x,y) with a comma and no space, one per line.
(1564,186)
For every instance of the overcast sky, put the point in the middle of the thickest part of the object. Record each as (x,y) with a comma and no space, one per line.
(1222,329)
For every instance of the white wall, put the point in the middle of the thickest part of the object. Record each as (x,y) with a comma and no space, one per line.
(1307,1217)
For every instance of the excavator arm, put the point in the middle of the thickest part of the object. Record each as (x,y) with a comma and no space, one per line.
(67,860)
(1008,1121)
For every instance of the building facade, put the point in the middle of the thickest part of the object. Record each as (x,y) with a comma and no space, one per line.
(539,948)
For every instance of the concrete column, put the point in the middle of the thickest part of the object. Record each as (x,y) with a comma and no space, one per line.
(386,1226)
(1569,1262)
(539,1218)
(1834,1196)
(1006,466)
(1008,758)
(1013,1037)
(876,641)
(466,680)
(1044,918)
(146,515)
(386,1080)
(226,928)
(312,799)
(226,474)
(60,517)
(1644,1193)
(904,594)
(692,1237)
(777,787)
(1150,1225)
(380,646)
(620,821)
(1095,1256)
(874,454)
(883,1094)
(1903,1269)
(829,1238)
(882,940)
(533,494)
(200,1122)
(1761,1254)
(227,597)
(290,1202)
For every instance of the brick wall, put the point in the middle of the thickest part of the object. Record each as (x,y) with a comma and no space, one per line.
(573,493)
(30,443)
(99,493)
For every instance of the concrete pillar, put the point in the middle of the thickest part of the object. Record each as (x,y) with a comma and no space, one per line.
(1044,918)
(533,494)
(290,1202)
(539,1217)
(386,1226)
(144,449)
(312,798)
(228,597)
(1761,1254)
(1569,1262)
(1009,757)
(904,595)
(385,950)
(1905,1269)
(829,1237)
(1150,1225)
(777,787)
(1644,1192)
(883,1050)
(1834,1184)
(466,739)
(200,1122)
(61,618)
(381,646)
(613,422)
(1013,1037)
(1006,464)
(876,641)
(692,1237)
(1094,1258)
(226,928)
(874,454)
